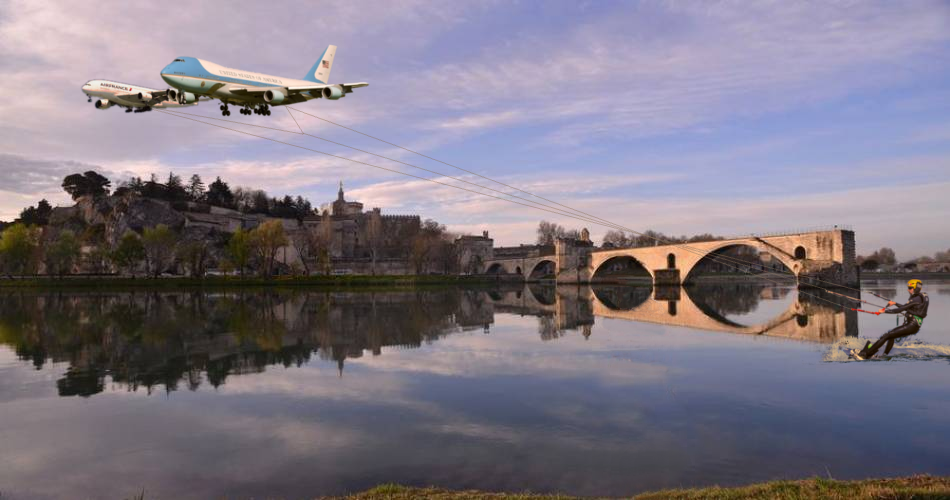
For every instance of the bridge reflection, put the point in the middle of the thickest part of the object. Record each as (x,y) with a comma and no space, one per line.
(809,316)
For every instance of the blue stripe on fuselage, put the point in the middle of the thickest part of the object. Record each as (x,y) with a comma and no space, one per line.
(192,67)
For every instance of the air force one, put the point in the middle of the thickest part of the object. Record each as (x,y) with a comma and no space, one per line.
(194,78)
(108,93)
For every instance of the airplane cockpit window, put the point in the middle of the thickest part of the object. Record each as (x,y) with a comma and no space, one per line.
(179,60)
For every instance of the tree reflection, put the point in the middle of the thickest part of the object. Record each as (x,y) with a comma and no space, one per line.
(168,339)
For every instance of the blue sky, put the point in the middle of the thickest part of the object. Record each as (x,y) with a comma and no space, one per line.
(684,117)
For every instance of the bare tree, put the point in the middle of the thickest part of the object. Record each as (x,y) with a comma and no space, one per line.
(266,240)
(305,244)
(616,239)
(550,232)
(194,258)
(159,243)
(374,236)
(322,239)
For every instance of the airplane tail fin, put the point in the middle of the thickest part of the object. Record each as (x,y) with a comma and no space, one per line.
(320,72)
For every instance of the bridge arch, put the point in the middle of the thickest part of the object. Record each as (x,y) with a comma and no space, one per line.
(621,267)
(716,251)
(541,269)
(495,268)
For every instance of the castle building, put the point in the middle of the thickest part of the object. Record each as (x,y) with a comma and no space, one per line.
(356,234)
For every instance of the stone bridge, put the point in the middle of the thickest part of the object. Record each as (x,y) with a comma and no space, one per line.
(827,256)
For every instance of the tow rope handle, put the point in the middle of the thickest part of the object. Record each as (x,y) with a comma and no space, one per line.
(876,313)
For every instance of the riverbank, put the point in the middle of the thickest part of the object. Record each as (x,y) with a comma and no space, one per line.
(928,487)
(236,281)
(866,276)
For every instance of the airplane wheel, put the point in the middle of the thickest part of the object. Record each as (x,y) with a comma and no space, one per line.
(227,113)
(267,113)
(221,107)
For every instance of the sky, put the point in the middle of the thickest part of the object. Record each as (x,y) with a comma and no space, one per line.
(683,117)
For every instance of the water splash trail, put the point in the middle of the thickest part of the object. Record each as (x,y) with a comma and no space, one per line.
(908,350)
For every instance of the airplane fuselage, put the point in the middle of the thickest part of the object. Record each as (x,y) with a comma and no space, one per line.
(121,94)
(205,78)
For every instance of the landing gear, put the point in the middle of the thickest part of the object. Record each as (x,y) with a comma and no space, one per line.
(224,110)
(263,109)
(89,99)
(128,110)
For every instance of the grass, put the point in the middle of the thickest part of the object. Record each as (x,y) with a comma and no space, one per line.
(914,487)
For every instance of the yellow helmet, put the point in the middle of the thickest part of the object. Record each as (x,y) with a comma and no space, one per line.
(915,284)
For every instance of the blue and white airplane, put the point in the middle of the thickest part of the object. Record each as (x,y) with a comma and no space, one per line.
(254,92)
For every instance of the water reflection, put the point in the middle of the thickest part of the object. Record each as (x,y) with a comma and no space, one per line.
(188,338)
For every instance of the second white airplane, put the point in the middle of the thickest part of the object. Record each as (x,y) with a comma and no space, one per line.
(253,92)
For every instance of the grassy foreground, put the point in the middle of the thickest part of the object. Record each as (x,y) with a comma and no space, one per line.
(915,487)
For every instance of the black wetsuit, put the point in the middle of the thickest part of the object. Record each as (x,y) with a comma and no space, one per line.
(912,311)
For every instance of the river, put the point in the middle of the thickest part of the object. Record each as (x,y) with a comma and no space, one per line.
(298,393)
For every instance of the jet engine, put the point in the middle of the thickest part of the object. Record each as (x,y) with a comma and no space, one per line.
(103,104)
(273,97)
(186,98)
(145,96)
(172,94)
(333,93)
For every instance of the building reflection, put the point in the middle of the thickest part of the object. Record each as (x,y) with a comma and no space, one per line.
(181,339)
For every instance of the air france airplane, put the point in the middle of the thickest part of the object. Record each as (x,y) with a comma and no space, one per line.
(133,98)
(254,92)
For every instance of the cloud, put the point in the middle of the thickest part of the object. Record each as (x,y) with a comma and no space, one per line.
(619,76)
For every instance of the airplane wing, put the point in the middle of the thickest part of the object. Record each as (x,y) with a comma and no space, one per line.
(347,88)
(157,97)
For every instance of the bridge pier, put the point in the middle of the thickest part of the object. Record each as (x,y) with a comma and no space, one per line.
(666,277)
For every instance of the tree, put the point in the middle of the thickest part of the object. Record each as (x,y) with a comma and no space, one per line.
(63,254)
(174,189)
(154,189)
(374,236)
(193,256)
(37,216)
(260,203)
(96,260)
(219,194)
(239,250)
(159,243)
(549,232)
(615,239)
(266,240)
(303,206)
(196,188)
(129,253)
(425,245)
(885,256)
(322,239)
(86,184)
(18,248)
(304,244)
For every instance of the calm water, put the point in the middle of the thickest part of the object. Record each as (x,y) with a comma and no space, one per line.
(609,391)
